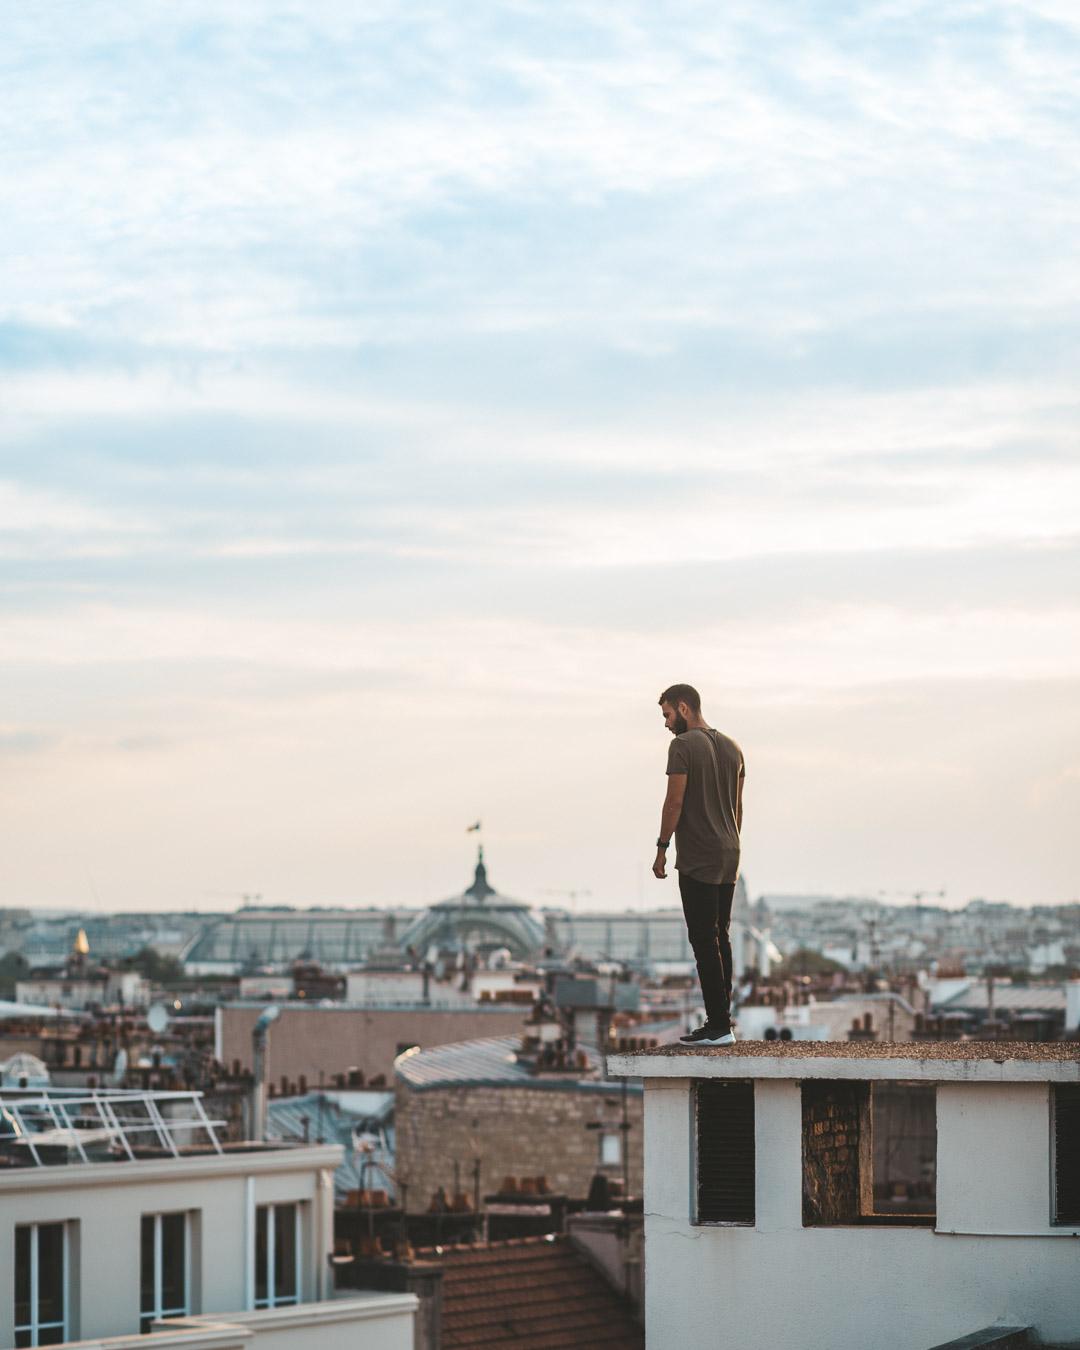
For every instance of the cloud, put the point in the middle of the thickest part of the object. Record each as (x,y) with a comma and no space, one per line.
(21,741)
(413,379)
(710,161)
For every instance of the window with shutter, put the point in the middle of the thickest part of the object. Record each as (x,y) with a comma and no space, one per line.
(724,1151)
(1067,1153)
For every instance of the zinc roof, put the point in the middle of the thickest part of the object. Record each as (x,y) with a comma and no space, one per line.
(335,1117)
(491,1062)
(1007,997)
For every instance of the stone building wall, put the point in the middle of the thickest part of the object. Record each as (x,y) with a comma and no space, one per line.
(514,1131)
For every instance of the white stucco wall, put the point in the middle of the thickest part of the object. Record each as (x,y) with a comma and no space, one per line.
(372,1321)
(996,1144)
(780,1285)
(364,1321)
(103,1204)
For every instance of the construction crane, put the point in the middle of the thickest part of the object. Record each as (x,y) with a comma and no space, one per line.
(246,898)
(916,897)
(572,896)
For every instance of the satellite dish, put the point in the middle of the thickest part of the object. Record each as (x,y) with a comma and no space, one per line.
(157,1018)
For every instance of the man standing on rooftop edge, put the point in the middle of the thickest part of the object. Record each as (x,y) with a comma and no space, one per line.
(703,808)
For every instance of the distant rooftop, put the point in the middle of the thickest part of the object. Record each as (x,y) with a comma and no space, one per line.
(335,1117)
(957,1061)
(397,1005)
(17,1010)
(491,1062)
(1006,998)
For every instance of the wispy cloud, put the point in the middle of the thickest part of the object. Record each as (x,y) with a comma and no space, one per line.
(403,378)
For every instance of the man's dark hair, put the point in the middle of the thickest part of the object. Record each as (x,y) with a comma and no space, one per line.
(682,693)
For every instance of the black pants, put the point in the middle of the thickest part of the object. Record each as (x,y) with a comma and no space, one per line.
(707,910)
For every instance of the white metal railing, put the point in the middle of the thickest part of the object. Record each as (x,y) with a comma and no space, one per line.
(112,1118)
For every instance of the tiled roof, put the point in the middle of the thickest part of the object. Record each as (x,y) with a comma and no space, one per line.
(490,1062)
(529,1294)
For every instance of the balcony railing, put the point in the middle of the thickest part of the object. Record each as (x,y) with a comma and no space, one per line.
(53,1125)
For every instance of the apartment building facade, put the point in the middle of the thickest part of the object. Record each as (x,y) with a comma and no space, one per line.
(131,1226)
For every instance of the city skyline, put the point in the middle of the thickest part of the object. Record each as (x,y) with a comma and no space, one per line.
(393,403)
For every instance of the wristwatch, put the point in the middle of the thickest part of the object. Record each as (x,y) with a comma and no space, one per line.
(662,843)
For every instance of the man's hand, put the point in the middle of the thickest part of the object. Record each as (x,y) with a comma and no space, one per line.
(669,818)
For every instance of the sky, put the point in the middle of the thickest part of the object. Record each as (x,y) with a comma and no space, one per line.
(394,399)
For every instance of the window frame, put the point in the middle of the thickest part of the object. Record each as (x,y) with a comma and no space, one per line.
(158,1312)
(35,1326)
(862,1174)
(271,1300)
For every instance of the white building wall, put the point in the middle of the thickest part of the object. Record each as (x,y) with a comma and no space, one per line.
(127,987)
(994,1158)
(370,1321)
(1072,1005)
(360,1322)
(780,1285)
(105,1201)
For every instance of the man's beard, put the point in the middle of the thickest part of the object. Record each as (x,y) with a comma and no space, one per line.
(680,725)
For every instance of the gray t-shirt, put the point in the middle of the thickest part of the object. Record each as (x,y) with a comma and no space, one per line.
(707,835)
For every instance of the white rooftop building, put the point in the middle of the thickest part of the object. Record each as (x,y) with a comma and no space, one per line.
(123,1220)
(857,1194)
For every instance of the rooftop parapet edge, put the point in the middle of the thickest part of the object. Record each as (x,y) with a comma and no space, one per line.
(930,1061)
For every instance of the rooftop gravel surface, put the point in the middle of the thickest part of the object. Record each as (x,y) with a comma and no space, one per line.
(999,1051)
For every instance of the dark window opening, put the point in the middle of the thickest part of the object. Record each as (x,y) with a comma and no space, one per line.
(262,1250)
(40,1284)
(724,1151)
(277,1255)
(163,1268)
(1066,1104)
(284,1280)
(869,1153)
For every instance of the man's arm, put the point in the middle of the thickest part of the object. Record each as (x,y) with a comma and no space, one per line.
(738,804)
(669,818)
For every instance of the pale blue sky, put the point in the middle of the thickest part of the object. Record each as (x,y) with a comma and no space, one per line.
(393,399)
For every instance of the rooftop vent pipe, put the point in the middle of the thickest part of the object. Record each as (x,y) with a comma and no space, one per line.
(260,1037)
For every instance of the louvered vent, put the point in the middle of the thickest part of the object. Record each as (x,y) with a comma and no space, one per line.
(725,1151)
(1066,1153)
